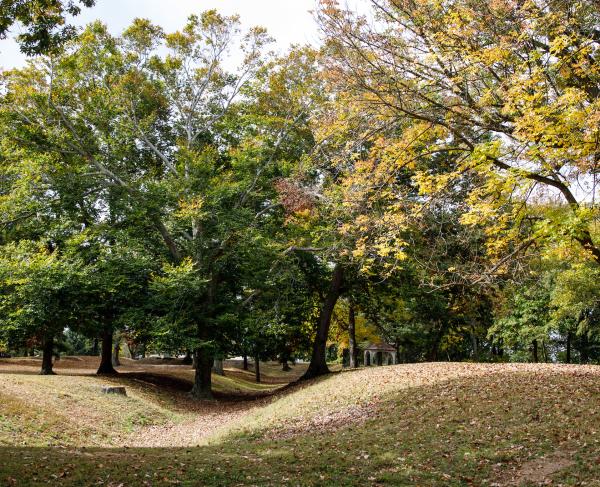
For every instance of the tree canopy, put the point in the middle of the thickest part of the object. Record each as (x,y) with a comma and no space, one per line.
(45,22)
(426,179)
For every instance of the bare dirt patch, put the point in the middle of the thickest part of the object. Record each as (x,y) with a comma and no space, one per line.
(538,471)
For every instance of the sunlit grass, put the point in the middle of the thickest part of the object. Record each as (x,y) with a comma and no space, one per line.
(423,424)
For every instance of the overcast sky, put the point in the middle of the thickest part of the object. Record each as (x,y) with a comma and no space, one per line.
(288,21)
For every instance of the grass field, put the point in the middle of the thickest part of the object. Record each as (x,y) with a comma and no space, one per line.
(423,424)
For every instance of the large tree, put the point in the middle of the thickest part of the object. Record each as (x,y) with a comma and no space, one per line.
(154,131)
(508,89)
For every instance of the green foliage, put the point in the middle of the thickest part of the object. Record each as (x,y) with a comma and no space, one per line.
(575,295)
(44,21)
(194,203)
(525,316)
(40,293)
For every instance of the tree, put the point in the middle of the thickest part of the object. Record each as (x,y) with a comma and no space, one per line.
(352,349)
(44,20)
(509,89)
(524,319)
(294,92)
(118,293)
(184,318)
(350,328)
(40,296)
(149,136)
(574,308)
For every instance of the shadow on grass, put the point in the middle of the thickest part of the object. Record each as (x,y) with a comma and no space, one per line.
(464,431)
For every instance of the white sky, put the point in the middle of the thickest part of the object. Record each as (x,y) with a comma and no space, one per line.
(288,21)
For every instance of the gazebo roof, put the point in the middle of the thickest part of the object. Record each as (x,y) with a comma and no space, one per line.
(380,347)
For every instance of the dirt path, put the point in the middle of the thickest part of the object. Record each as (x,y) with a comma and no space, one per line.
(206,419)
(211,419)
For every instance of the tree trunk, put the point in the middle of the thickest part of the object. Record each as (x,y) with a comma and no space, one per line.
(583,350)
(474,344)
(352,337)
(544,351)
(535,351)
(318,361)
(204,355)
(284,359)
(47,356)
(115,355)
(106,366)
(568,347)
(433,354)
(202,378)
(187,360)
(245,366)
(218,366)
(257,369)
(95,347)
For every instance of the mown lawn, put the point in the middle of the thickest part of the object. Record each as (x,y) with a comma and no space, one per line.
(428,424)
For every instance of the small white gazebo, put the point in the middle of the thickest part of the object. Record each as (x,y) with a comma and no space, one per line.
(380,354)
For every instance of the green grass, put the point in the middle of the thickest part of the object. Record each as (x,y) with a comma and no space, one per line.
(70,410)
(228,384)
(430,424)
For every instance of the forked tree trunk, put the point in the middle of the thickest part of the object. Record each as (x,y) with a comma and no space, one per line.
(202,378)
(352,336)
(318,361)
(106,366)
(257,369)
(47,353)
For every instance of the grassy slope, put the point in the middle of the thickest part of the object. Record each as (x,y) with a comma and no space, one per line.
(429,424)
(69,409)
(59,410)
